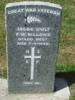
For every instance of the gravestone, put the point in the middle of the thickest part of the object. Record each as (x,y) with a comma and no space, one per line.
(32,45)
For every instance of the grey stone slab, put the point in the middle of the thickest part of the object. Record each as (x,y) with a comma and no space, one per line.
(32,46)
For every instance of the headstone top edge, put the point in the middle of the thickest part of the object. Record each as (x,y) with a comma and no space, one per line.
(33,3)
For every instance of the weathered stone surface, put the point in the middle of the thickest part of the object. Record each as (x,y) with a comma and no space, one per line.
(32,46)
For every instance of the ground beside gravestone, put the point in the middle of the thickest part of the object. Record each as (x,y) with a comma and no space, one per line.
(59,94)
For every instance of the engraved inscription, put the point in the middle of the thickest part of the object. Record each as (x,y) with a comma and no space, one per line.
(33,36)
(30,10)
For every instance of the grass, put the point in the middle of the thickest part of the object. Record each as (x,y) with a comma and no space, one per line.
(3,73)
(66,54)
(67,31)
(72,97)
(69,67)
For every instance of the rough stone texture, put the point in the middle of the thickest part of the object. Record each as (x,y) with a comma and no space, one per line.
(32,46)
(62,92)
